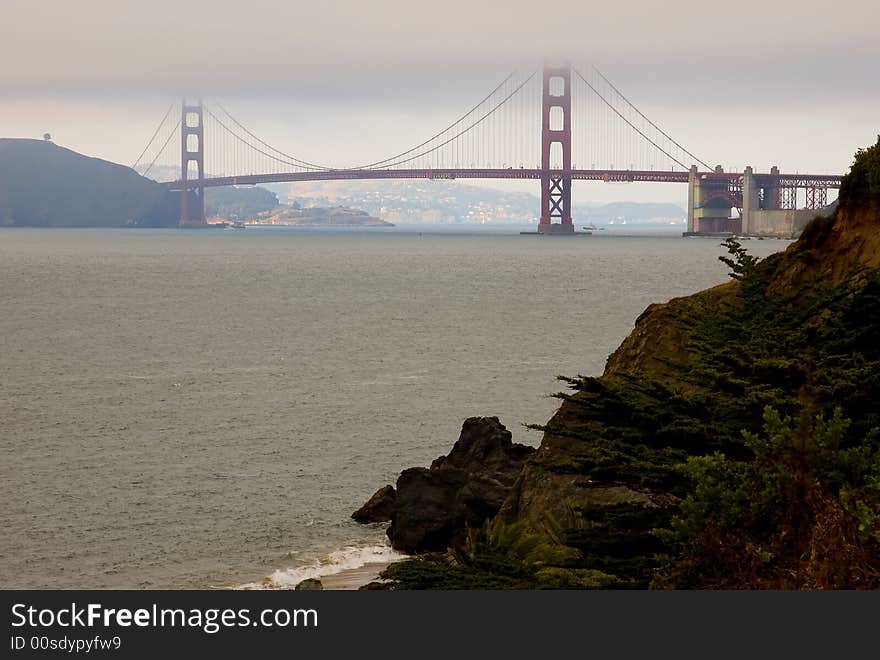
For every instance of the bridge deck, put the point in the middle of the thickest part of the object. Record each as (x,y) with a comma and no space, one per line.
(620,176)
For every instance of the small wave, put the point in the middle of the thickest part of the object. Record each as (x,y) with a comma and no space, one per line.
(345,559)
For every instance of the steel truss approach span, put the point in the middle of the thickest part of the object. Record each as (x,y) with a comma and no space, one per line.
(556,125)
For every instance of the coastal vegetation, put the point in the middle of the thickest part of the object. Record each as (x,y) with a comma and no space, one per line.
(733,440)
(863,180)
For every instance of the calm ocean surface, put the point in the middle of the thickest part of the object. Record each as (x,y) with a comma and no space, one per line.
(206,408)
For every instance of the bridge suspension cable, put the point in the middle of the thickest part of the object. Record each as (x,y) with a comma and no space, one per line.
(284,159)
(155,133)
(503,130)
(156,153)
(662,132)
(285,156)
(444,131)
(476,123)
(627,121)
(161,150)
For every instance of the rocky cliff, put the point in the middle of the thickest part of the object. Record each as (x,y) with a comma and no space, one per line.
(432,508)
(732,441)
(44,185)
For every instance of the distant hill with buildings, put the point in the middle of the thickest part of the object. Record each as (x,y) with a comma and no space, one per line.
(402,201)
(315,216)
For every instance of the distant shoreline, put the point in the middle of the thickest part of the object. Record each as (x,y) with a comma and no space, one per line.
(321,224)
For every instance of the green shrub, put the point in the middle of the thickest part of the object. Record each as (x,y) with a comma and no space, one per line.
(804,512)
(863,179)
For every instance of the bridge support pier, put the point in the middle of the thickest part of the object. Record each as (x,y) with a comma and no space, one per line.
(710,200)
(692,200)
(772,193)
(750,203)
(556,130)
(192,150)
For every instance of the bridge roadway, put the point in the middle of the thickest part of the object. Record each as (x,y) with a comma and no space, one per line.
(616,176)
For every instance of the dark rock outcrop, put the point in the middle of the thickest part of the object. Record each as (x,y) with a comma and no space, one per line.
(310,584)
(428,512)
(485,447)
(379,508)
(434,507)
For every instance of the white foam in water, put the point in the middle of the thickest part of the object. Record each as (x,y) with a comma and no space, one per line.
(346,559)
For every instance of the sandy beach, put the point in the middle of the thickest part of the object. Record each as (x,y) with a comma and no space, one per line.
(349,579)
(352,579)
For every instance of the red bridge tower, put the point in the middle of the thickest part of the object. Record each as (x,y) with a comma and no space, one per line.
(556,129)
(192,141)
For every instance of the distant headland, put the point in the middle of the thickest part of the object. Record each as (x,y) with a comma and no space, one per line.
(45,185)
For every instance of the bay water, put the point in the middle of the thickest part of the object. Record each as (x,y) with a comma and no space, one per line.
(206,408)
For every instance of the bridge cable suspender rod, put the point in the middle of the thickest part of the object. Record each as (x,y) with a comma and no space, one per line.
(469,128)
(662,132)
(631,125)
(445,130)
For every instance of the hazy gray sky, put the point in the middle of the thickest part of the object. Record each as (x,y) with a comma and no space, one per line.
(788,83)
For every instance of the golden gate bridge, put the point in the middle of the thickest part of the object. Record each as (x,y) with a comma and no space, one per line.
(555,125)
